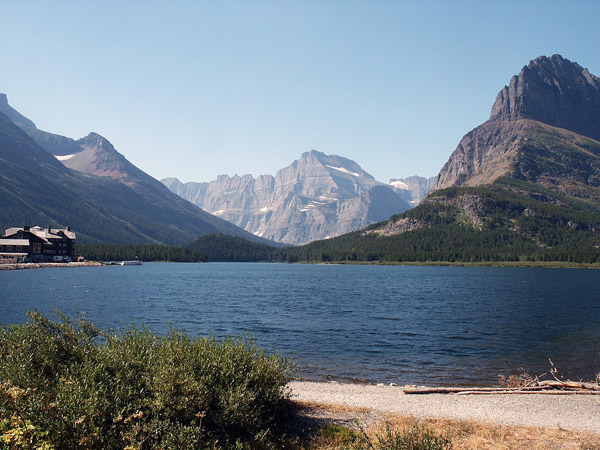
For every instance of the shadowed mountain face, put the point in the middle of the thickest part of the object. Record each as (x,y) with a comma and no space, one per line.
(316,197)
(112,202)
(544,128)
(555,91)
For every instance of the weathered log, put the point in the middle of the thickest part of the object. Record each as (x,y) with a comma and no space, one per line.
(570,385)
(455,390)
(542,392)
(431,390)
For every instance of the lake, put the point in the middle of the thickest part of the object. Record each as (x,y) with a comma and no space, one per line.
(389,324)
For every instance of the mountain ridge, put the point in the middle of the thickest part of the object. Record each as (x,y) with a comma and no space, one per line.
(317,196)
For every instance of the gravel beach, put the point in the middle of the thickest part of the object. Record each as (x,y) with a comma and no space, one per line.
(20,266)
(569,412)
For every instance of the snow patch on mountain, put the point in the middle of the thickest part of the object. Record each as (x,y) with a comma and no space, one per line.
(400,184)
(344,170)
(64,157)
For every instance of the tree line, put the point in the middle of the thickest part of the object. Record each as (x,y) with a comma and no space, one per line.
(520,221)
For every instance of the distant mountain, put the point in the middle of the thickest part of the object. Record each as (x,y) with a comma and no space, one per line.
(113,202)
(523,185)
(415,188)
(316,197)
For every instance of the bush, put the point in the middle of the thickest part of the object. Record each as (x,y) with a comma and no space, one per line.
(66,384)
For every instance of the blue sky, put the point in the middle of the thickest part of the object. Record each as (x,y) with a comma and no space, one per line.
(197,89)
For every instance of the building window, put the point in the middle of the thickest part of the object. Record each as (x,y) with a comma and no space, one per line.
(19,249)
(37,247)
(9,248)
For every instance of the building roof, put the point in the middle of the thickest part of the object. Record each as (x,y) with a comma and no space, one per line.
(43,232)
(21,242)
(11,231)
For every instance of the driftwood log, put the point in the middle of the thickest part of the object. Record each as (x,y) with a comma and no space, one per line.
(553,387)
(570,385)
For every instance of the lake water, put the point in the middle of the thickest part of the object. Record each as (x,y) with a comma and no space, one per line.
(407,325)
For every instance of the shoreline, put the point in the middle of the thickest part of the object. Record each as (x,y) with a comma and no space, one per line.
(569,412)
(522,264)
(495,264)
(23,266)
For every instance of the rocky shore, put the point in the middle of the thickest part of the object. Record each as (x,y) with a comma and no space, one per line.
(568,412)
(19,266)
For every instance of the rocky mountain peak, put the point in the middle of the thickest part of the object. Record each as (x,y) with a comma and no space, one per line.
(3,99)
(542,129)
(555,91)
(97,141)
(336,166)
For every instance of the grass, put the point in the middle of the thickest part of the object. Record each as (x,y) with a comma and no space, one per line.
(450,434)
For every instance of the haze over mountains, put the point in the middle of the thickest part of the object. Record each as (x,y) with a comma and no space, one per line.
(316,197)
(106,199)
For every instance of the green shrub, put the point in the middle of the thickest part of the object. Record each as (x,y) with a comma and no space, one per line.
(416,438)
(66,384)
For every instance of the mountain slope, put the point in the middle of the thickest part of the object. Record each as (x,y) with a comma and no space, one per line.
(496,222)
(54,143)
(36,188)
(316,197)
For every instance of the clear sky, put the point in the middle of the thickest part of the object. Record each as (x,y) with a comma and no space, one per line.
(194,89)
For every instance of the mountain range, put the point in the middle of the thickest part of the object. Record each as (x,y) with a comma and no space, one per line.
(95,190)
(318,196)
(523,185)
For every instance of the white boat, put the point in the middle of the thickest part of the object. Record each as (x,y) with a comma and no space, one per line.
(136,262)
